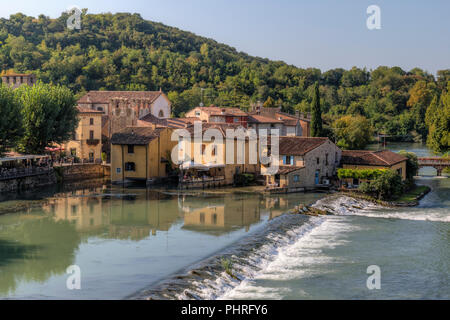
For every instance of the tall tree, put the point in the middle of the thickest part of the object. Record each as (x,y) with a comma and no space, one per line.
(438,120)
(353,132)
(49,116)
(316,120)
(10,119)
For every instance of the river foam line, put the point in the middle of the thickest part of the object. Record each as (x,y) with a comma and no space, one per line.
(348,206)
(289,247)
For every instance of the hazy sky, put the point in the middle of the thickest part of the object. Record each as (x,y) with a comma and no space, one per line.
(315,33)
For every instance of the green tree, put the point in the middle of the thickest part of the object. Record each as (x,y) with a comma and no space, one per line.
(316,119)
(10,119)
(49,116)
(353,132)
(412,165)
(270,103)
(438,120)
(387,185)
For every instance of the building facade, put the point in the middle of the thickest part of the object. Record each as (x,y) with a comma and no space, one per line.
(86,144)
(304,163)
(15,80)
(366,159)
(141,154)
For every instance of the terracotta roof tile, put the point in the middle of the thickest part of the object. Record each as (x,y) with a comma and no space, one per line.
(299,146)
(104,96)
(86,110)
(288,169)
(135,135)
(257,118)
(373,158)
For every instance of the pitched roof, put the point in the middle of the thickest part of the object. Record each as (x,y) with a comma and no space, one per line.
(371,158)
(136,135)
(179,123)
(104,96)
(218,111)
(299,146)
(153,119)
(86,110)
(257,118)
(288,169)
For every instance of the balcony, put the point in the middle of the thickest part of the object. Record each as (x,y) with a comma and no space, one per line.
(92,142)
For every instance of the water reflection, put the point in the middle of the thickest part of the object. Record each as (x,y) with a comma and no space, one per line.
(42,242)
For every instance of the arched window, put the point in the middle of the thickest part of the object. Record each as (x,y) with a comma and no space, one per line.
(161,114)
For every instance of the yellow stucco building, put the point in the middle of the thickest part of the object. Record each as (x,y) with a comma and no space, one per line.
(86,144)
(141,154)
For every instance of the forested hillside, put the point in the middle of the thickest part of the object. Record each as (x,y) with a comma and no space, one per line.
(125,52)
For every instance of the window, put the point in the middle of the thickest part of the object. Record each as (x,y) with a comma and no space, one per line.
(197,113)
(91,135)
(73,152)
(213,152)
(236,120)
(214,219)
(288,160)
(202,218)
(203,148)
(91,121)
(296,178)
(326,159)
(400,171)
(118,170)
(130,166)
(130,148)
(161,114)
(318,160)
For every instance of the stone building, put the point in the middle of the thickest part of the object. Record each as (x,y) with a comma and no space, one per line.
(367,159)
(15,80)
(304,163)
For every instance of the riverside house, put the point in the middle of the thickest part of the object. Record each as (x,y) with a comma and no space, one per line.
(366,159)
(203,163)
(141,154)
(86,144)
(304,163)
(213,114)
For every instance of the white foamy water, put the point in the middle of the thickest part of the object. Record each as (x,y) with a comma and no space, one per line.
(303,258)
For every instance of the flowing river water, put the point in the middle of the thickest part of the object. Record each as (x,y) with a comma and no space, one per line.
(150,244)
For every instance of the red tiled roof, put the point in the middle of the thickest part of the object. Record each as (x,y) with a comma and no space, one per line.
(288,169)
(217,111)
(179,123)
(135,135)
(153,119)
(257,118)
(104,96)
(299,146)
(86,110)
(371,158)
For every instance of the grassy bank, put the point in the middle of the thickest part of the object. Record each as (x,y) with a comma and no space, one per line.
(414,194)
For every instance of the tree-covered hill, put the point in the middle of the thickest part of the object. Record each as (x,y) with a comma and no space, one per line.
(125,52)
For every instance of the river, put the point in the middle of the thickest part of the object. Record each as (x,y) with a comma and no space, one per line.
(143,243)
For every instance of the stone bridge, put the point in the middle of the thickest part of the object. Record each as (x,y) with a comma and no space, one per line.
(436,162)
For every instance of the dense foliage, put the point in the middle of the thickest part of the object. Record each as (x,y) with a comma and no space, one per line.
(388,185)
(352,132)
(10,119)
(125,52)
(412,165)
(45,114)
(363,174)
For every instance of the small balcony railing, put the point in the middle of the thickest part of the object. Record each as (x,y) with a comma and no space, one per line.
(92,142)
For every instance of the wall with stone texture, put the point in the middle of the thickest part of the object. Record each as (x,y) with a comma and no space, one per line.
(27,183)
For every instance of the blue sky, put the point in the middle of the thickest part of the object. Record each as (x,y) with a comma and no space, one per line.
(315,33)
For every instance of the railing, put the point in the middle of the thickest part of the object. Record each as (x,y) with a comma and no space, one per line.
(201,180)
(92,142)
(434,161)
(23,173)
